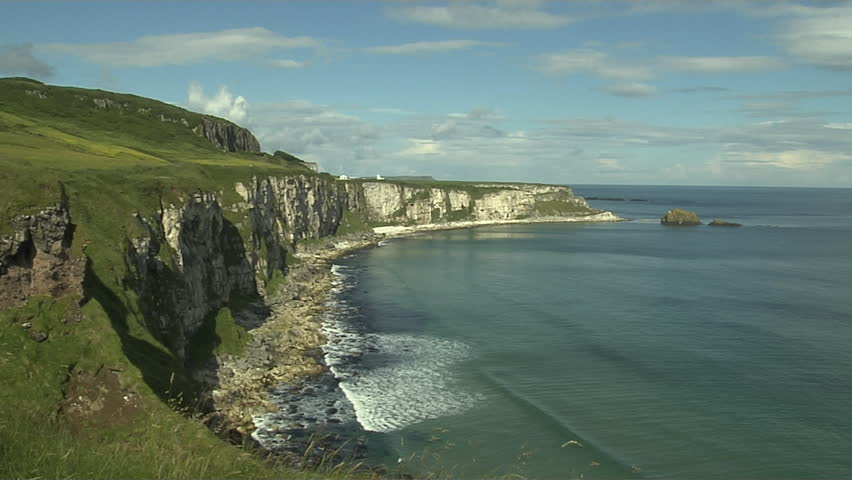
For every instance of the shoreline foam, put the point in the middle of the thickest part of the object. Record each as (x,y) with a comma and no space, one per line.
(298,369)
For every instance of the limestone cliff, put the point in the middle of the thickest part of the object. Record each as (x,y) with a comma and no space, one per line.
(188,265)
(195,255)
(194,258)
(34,258)
(405,203)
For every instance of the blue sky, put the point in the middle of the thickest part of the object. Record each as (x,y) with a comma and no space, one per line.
(651,92)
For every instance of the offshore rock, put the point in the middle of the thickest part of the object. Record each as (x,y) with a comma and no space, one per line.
(677,216)
(722,223)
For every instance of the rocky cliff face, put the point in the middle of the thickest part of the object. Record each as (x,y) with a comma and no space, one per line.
(196,256)
(396,202)
(190,263)
(227,136)
(34,258)
(193,258)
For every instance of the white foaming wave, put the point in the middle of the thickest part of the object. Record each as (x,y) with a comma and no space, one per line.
(391,380)
(414,383)
(382,243)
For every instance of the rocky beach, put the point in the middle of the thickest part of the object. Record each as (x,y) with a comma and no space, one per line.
(284,392)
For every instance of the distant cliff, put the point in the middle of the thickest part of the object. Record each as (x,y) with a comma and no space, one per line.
(125,110)
(194,257)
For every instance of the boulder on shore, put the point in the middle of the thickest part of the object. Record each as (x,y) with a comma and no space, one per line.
(721,223)
(677,216)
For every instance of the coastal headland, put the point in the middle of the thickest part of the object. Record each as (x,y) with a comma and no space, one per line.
(156,268)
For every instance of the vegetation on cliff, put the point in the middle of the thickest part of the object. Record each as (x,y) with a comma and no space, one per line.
(95,382)
(114,156)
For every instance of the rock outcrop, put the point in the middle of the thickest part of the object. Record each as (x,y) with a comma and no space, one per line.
(195,257)
(722,223)
(226,135)
(404,203)
(677,216)
(34,258)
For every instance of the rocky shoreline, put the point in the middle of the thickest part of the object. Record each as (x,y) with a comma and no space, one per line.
(281,394)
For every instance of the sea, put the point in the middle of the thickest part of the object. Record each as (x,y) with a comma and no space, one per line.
(609,350)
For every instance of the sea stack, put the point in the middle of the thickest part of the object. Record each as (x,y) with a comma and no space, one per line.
(677,216)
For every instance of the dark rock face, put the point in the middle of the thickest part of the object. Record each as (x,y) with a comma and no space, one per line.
(677,216)
(721,223)
(227,136)
(190,264)
(34,258)
(193,260)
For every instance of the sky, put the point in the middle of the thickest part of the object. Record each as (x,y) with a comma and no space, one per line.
(751,93)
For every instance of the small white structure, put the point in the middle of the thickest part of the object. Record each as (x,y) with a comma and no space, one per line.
(379,177)
(343,177)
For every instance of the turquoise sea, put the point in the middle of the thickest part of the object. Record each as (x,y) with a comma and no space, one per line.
(625,350)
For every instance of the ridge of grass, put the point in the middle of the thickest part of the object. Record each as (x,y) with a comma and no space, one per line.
(112,164)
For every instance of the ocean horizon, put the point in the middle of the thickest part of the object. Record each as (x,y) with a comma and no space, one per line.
(630,349)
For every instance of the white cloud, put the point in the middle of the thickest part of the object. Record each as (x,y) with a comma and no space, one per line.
(428,47)
(802,159)
(339,142)
(632,89)
(185,48)
(610,164)
(285,63)
(592,62)
(19,60)
(421,147)
(505,14)
(820,36)
(476,123)
(390,110)
(721,64)
(223,104)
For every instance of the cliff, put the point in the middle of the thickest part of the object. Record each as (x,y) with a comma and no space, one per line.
(103,111)
(195,256)
(226,135)
(419,204)
(139,240)
(34,259)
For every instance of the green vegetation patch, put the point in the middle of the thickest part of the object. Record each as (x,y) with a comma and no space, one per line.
(220,335)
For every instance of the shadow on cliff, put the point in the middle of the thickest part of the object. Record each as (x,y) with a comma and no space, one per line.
(161,371)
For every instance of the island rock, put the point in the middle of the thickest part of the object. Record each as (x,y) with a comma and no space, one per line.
(722,223)
(677,216)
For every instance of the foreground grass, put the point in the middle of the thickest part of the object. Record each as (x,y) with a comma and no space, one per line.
(111,164)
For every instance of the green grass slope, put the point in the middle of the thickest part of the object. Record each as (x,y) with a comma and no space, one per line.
(112,162)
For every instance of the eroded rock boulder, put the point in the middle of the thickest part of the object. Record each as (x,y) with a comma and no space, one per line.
(722,223)
(34,257)
(677,216)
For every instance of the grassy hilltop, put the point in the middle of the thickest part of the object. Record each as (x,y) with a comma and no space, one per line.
(113,155)
(115,159)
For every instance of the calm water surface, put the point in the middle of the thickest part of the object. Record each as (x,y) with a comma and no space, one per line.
(614,350)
